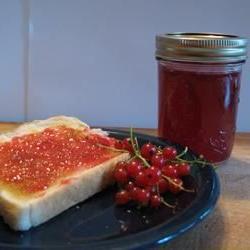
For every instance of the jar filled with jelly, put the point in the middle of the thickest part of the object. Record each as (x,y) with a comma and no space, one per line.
(199,86)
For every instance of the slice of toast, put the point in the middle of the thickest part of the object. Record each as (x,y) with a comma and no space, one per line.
(50,165)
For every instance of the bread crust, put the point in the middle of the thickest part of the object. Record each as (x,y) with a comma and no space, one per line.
(23,213)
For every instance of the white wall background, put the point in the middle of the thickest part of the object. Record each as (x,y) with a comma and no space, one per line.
(95,59)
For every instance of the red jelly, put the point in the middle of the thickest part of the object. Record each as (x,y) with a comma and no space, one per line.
(32,163)
(199,88)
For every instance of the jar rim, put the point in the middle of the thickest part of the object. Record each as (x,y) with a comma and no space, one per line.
(201,47)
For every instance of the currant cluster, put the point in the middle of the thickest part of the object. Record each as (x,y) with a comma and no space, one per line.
(149,174)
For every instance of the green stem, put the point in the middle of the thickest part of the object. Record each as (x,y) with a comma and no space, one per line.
(157,189)
(132,158)
(136,144)
(143,160)
(132,140)
(182,153)
(198,161)
(136,150)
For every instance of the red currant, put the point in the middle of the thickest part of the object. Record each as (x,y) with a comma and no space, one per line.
(134,167)
(133,193)
(130,186)
(183,169)
(121,164)
(169,153)
(158,160)
(122,197)
(150,189)
(143,196)
(163,185)
(148,150)
(153,175)
(155,201)
(175,186)
(121,175)
(170,171)
(141,179)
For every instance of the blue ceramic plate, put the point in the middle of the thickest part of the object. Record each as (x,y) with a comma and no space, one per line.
(98,224)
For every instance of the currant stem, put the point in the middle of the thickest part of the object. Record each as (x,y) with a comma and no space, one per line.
(135,147)
(157,189)
(136,144)
(167,204)
(177,185)
(182,153)
(198,160)
(132,158)
(112,148)
(143,160)
(202,163)
(132,140)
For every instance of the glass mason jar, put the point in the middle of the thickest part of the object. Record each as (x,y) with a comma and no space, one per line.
(199,85)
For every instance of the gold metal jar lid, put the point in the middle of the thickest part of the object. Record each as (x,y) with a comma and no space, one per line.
(201,47)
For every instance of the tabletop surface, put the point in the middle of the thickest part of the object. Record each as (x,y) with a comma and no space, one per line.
(228,226)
